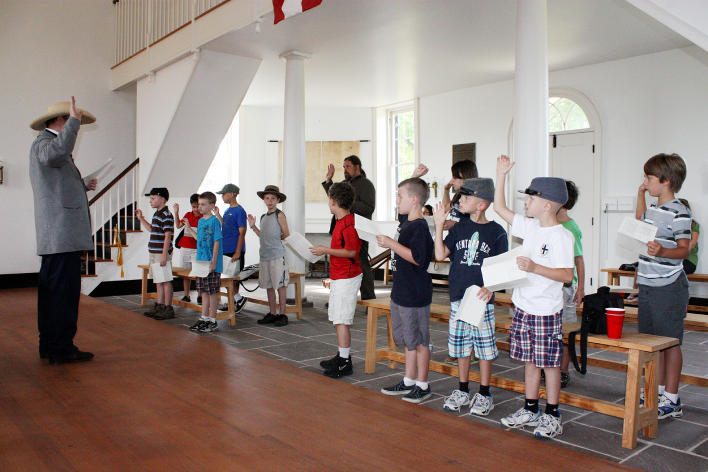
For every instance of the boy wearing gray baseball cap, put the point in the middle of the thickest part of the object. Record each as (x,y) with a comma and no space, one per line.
(536,335)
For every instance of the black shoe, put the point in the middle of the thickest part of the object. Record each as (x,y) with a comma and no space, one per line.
(268,318)
(186,299)
(565,379)
(156,308)
(167,313)
(199,299)
(281,321)
(329,363)
(399,389)
(343,367)
(209,327)
(197,325)
(418,395)
(76,356)
(239,304)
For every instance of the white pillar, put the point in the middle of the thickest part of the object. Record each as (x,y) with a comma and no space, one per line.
(530,135)
(294,150)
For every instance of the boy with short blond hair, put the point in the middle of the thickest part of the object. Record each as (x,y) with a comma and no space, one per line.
(345,275)
(536,335)
(160,249)
(468,243)
(662,282)
(188,244)
(209,249)
(412,290)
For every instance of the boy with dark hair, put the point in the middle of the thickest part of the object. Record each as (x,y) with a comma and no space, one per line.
(663,286)
(536,334)
(412,290)
(467,244)
(209,249)
(573,292)
(345,274)
(160,249)
(461,170)
(234,233)
(188,243)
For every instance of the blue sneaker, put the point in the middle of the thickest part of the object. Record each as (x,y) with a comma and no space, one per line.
(667,408)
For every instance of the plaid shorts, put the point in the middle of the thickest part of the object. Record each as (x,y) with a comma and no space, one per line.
(537,339)
(463,336)
(209,284)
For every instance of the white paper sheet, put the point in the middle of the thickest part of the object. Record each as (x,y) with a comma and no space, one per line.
(633,235)
(471,308)
(161,273)
(366,229)
(98,173)
(301,246)
(200,268)
(501,272)
(231,268)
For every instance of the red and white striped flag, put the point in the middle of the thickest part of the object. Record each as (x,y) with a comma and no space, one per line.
(287,8)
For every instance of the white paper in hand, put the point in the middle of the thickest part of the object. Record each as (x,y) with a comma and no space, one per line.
(502,272)
(161,273)
(301,246)
(633,236)
(366,229)
(231,268)
(200,268)
(471,308)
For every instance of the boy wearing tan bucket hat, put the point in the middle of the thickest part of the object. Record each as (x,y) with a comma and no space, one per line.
(63,228)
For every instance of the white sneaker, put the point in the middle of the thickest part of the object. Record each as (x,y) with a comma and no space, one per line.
(520,418)
(481,405)
(548,427)
(456,400)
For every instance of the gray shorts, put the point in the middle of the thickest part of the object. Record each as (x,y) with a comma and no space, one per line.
(663,309)
(411,325)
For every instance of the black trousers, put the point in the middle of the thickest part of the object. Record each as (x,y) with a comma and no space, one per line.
(367,281)
(58,302)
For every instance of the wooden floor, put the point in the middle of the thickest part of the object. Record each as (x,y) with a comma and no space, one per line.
(157,398)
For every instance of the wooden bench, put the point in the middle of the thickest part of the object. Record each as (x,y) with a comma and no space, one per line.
(642,352)
(228,283)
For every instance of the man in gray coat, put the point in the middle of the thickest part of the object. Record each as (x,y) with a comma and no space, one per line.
(63,228)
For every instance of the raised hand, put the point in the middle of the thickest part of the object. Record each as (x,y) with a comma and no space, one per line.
(330,172)
(73,112)
(138,213)
(420,171)
(504,165)
(251,220)
(440,214)
(175,207)
(216,211)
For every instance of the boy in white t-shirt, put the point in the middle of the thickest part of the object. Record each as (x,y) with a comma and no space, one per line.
(536,335)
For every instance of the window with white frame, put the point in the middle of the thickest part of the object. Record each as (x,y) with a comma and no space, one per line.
(565,115)
(402,147)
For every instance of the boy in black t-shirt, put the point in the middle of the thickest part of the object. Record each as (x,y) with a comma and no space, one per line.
(412,290)
(467,244)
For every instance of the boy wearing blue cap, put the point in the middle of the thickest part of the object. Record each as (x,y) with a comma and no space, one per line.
(536,335)
(468,243)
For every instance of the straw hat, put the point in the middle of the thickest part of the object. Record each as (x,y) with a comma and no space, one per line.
(59,109)
(272,189)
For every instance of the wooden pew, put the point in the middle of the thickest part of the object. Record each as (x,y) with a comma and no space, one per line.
(642,352)
(226,282)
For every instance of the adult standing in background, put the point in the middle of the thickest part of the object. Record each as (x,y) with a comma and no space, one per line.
(63,227)
(364,205)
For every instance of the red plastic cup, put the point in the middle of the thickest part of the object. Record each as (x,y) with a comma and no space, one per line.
(615,321)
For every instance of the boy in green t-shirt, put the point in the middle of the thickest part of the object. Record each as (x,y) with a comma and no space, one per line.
(574,292)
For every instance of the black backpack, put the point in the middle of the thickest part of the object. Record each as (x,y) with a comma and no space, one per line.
(594,322)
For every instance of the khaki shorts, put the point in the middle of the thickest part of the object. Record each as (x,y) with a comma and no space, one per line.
(273,274)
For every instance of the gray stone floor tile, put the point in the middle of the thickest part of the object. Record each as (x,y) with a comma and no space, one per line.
(661,459)
(702,449)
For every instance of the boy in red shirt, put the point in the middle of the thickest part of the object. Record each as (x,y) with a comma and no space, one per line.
(188,244)
(345,273)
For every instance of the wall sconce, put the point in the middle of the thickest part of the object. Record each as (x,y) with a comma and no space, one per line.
(435,188)
(2,171)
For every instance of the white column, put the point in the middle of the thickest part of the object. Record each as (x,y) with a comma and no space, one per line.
(530,138)
(294,149)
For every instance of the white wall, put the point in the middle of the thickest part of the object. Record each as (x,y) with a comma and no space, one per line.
(647,104)
(44,61)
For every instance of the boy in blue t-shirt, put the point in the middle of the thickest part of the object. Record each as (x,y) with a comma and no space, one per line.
(233,230)
(412,290)
(209,249)
(467,244)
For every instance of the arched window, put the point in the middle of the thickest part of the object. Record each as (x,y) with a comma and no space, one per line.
(565,115)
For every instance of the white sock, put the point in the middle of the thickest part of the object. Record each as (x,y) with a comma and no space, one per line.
(408,382)
(238,297)
(422,385)
(672,396)
(203,318)
(344,352)
(662,389)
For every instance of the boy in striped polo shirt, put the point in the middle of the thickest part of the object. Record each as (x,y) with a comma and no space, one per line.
(663,286)
(160,249)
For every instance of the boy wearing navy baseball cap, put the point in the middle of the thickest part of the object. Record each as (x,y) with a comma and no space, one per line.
(536,335)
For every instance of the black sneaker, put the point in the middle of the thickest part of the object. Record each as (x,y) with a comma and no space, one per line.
(186,299)
(268,318)
(565,379)
(399,389)
(329,363)
(418,395)
(239,304)
(209,327)
(343,367)
(196,326)
(281,321)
